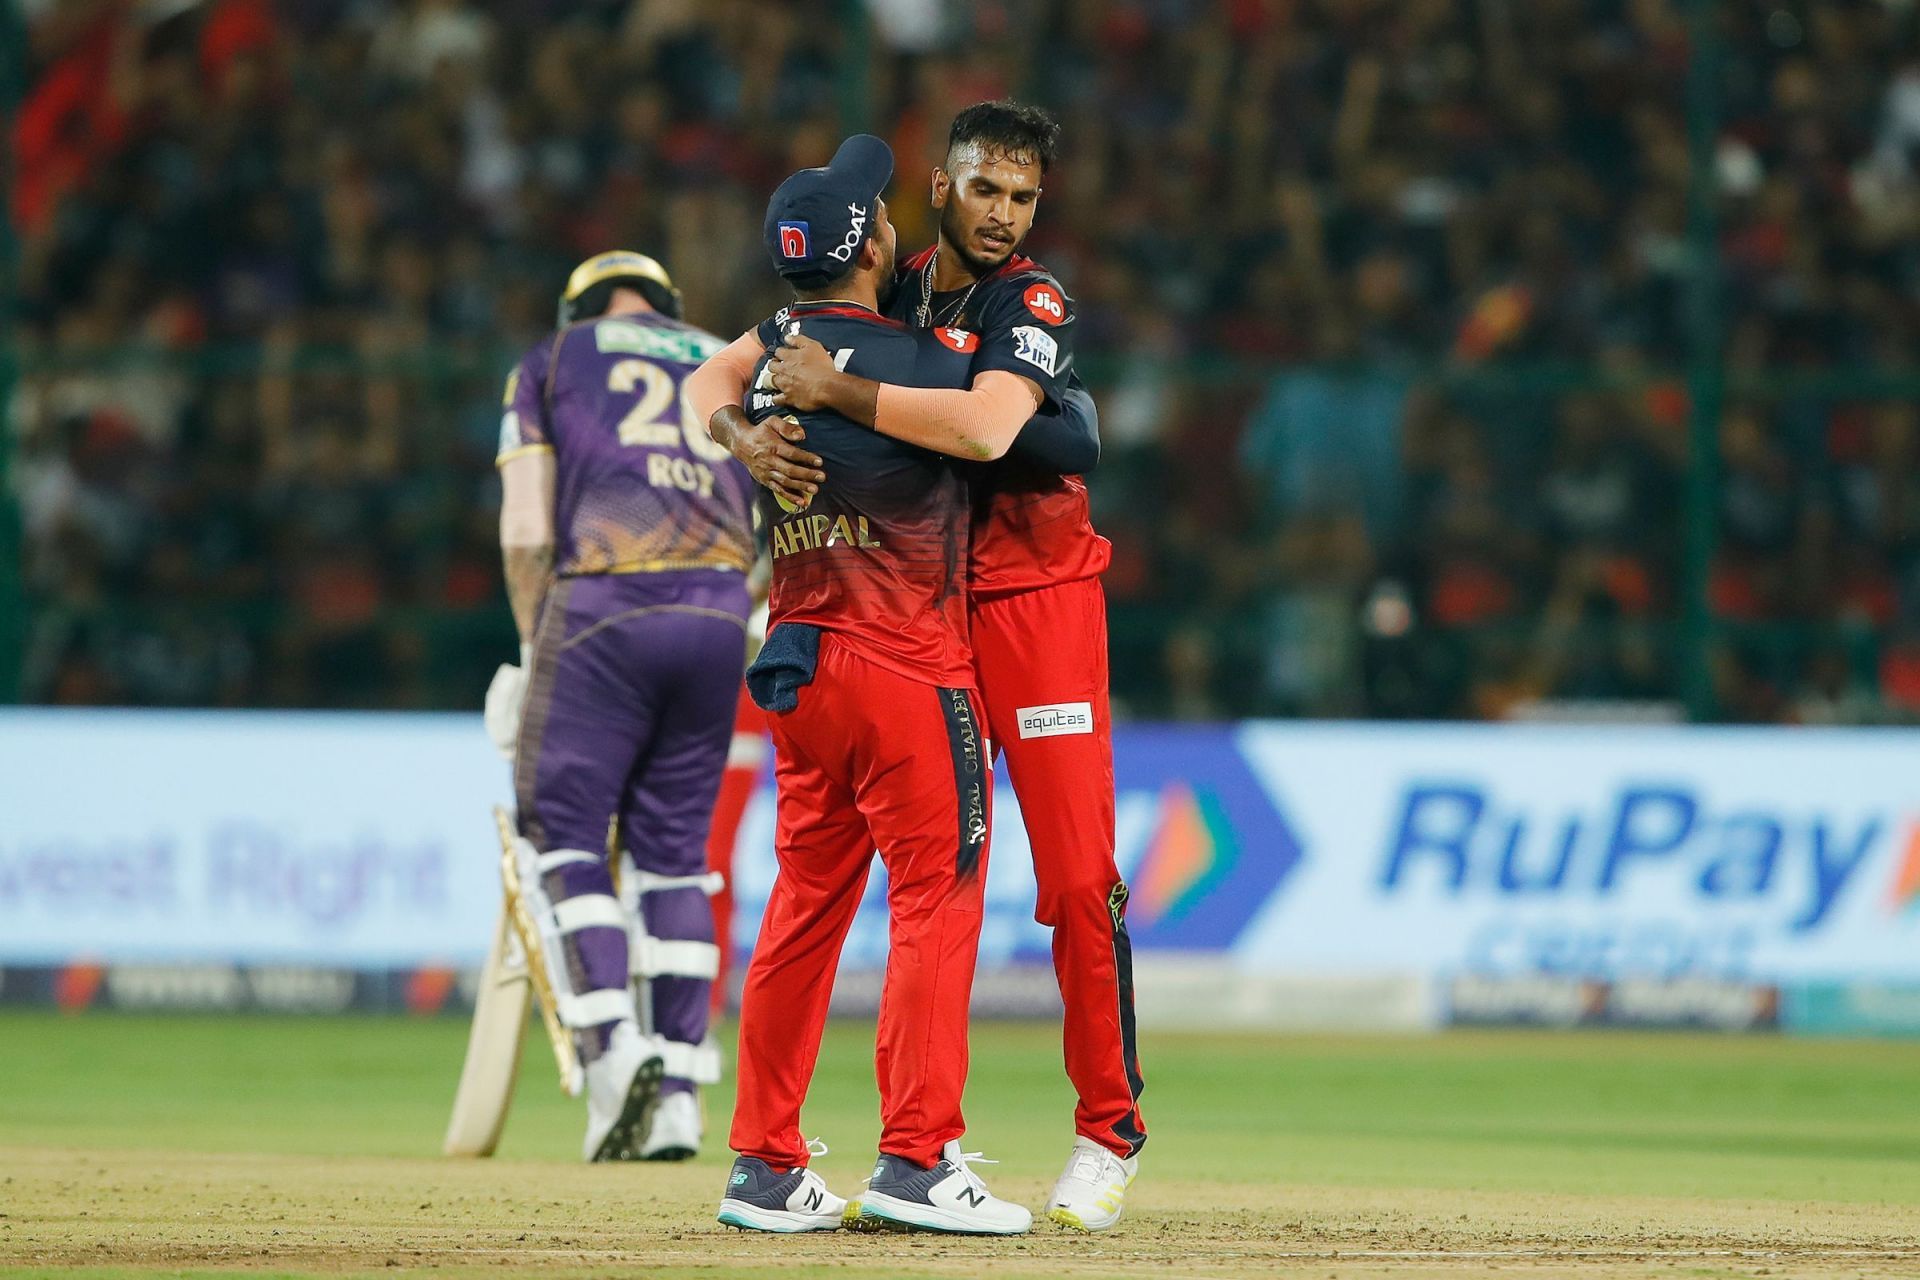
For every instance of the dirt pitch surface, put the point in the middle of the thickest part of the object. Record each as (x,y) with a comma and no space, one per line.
(145,1147)
(129,1213)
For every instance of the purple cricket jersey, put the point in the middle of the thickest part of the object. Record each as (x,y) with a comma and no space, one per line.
(637,659)
(637,488)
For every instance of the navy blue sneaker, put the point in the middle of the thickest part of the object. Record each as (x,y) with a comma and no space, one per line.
(947,1197)
(759,1198)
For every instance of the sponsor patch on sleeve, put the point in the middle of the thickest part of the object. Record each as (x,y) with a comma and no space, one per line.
(1046,302)
(1055,719)
(959,339)
(509,431)
(1036,347)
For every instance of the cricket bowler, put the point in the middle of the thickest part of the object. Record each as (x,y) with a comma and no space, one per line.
(627,538)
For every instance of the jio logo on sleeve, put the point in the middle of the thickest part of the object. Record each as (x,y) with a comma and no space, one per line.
(1046,303)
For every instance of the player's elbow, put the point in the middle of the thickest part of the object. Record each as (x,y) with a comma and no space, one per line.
(988,448)
(1079,454)
(525,531)
(535,547)
(1006,402)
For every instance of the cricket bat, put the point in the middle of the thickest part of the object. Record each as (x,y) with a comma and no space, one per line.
(493,1048)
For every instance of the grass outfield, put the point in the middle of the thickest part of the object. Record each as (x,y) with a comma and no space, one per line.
(144,1146)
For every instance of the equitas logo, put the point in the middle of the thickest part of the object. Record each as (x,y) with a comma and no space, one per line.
(1055,719)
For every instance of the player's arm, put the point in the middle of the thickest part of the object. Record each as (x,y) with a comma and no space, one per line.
(770,450)
(1026,340)
(526,535)
(1065,441)
(978,422)
(525,461)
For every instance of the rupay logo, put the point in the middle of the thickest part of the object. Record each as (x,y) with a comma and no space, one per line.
(1458,836)
(1204,844)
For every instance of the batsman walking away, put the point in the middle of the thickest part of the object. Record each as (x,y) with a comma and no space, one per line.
(627,540)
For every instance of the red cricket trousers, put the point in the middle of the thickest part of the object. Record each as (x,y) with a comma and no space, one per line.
(869,760)
(745,756)
(1041,659)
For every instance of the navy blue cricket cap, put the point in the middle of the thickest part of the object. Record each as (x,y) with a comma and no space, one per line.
(818,219)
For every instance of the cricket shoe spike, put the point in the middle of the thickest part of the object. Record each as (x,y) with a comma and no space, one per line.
(760,1198)
(1092,1193)
(623,1090)
(854,1220)
(947,1197)
(675,1131)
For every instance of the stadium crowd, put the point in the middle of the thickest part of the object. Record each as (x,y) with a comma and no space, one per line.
(1387,304)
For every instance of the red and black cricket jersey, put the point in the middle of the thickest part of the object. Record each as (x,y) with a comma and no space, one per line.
(1032,528)
(879,556)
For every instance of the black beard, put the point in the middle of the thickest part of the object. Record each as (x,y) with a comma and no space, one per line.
(953,237)
(889,288)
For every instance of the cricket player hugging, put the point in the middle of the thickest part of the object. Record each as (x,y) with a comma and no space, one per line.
(1037,619)
(627,538)
(879,745)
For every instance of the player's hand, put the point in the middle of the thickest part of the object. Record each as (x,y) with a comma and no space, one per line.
(773,457)
(802,373)
(506,703)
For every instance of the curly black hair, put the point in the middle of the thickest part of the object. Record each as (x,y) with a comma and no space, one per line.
(1009,129)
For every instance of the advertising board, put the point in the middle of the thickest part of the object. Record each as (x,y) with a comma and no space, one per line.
(1272,851)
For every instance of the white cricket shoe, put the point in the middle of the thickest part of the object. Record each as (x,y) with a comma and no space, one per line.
(623,1086)
(1093,1191)
(675,1131)
(948,1197)
(761,1198)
